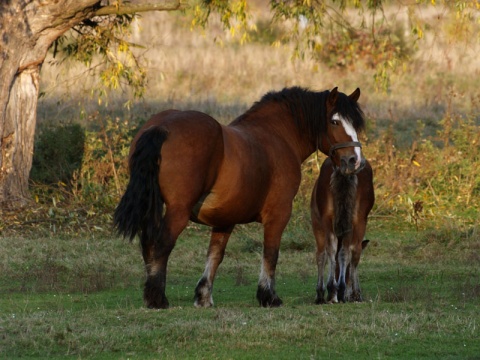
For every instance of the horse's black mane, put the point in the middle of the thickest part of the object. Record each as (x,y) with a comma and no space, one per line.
(309,108)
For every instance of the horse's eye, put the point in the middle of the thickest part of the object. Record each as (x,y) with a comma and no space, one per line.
(334,122)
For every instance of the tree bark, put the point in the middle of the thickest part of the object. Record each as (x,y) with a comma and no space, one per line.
(27,30)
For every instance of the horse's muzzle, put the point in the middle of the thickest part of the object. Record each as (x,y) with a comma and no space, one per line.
(351,164)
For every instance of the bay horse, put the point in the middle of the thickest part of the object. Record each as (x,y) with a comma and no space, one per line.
(220,176)
(341,201)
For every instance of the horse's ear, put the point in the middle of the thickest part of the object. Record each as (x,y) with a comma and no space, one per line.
(332,97)
(355,95)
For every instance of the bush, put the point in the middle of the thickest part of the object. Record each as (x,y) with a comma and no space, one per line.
(58,154)
(104,173)
(442,174)
(346,48)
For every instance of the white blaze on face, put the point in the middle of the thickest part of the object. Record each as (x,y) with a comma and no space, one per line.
(350,130)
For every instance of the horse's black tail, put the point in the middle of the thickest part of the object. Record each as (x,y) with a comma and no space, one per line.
(140,210)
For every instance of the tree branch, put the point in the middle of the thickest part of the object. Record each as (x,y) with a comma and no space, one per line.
(164,5)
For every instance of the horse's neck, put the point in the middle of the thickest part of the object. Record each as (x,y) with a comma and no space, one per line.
(276,123)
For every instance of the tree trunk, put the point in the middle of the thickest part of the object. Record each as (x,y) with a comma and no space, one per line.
(27,30)
(18,137)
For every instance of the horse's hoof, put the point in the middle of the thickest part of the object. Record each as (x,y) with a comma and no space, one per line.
(154,296)
(203,294)
(156,304)
(202,302)
(268,299)
(275,302)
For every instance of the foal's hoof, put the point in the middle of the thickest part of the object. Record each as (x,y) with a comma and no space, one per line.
(341,294)
(320,301)
(355,297)
(268,299)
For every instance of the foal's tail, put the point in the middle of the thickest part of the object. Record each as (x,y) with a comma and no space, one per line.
(140,210)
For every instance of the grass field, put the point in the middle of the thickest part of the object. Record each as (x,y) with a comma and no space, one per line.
(70,289)
(81,297)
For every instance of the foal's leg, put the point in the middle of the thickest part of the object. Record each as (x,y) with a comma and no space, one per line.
(344,260)
(156,249)
(321,256)
(321,261)
(216,251)
(356,294)
(332,285)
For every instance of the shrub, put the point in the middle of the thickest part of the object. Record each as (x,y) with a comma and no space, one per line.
(347,47)
(104,172)
(58,153)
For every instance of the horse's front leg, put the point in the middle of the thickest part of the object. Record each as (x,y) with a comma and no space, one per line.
(216,251)
(266,294)
(156,249)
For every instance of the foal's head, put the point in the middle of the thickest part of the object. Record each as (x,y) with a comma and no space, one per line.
(344,120)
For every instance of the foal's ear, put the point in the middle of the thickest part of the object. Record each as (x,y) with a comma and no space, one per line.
(355,95)
(332,97)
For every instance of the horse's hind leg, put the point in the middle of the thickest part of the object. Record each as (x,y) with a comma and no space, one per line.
(156,249)
(216,251)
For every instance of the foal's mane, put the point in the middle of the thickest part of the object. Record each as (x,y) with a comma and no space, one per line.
(308,109)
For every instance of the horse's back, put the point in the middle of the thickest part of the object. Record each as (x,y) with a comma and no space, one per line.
(182,126)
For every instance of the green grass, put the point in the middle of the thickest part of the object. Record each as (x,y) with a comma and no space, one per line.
(81,297)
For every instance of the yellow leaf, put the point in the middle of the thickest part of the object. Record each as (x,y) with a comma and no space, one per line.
(416,163)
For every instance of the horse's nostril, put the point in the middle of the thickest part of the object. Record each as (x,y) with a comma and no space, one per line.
(349,163)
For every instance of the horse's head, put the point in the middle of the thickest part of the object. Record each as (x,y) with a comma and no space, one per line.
(344,120)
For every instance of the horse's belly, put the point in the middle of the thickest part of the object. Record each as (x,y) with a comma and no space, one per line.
(214,210)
